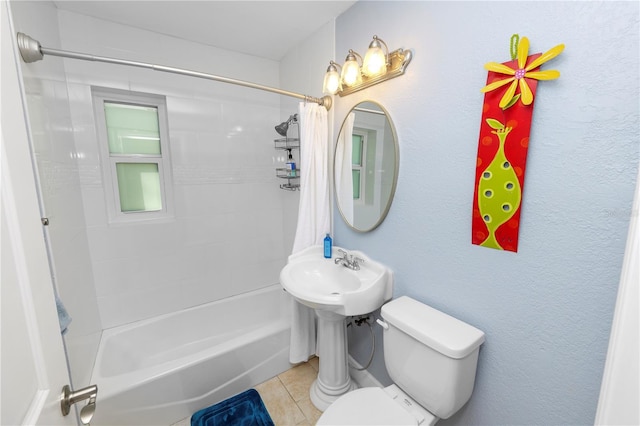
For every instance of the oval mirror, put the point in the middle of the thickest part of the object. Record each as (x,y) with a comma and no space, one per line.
(365,166)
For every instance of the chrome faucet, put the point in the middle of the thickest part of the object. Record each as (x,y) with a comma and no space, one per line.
(348,260)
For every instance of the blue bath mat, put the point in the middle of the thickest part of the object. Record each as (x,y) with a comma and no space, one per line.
(244,409)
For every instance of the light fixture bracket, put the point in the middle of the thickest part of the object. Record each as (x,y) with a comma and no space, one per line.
(398,62)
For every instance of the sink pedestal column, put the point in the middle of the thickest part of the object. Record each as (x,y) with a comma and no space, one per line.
(333,373)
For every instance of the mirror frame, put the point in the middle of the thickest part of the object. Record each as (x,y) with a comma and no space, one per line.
(396,147)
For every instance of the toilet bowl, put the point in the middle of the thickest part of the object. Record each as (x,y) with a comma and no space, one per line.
(376,406)
(431,358)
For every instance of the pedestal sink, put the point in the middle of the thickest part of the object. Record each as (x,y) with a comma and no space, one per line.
(335,291)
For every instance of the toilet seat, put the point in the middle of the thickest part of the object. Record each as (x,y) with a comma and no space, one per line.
(373,406)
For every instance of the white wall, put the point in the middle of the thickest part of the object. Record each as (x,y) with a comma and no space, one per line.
(52,138)
(302,70)
(227,236)
(546,310)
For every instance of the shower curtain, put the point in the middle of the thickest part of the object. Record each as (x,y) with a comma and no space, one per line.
(314,216)
(344,169)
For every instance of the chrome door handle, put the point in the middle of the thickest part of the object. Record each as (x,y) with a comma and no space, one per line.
(69,398)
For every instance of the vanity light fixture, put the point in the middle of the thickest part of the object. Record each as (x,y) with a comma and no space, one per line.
(378,65)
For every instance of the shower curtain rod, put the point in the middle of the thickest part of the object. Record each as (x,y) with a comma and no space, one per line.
(32,51)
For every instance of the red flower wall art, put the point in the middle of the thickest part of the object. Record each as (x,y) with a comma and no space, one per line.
(503,143)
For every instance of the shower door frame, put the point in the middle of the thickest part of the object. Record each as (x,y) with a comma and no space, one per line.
(42,349)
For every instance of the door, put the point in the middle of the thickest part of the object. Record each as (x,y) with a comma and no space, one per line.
(33,366)
(620,389)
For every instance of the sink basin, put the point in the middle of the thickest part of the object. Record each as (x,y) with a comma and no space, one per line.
(319,283)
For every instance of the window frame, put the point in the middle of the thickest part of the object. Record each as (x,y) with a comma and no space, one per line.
(108,161)
(363,135)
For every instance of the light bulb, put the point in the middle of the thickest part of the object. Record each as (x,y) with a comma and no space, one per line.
(351,70)
(375,62)
(331,83)
(350,73)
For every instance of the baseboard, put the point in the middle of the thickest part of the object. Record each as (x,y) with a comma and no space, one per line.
(363,378)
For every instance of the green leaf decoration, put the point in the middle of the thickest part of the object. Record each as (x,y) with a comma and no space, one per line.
(512,102)
(495,124)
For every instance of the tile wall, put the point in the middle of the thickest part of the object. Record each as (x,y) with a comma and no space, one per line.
(228,235)
(233,227)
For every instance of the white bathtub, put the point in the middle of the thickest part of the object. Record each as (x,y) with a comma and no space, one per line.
(161,370)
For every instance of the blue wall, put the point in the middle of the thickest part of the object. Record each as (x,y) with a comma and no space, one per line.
(547,309)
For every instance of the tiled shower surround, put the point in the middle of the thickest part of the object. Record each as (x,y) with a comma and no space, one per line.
(232,226)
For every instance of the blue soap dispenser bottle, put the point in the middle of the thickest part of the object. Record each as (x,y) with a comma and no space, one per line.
(327,246)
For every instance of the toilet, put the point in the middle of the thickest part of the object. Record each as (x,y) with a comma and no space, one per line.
(431,358)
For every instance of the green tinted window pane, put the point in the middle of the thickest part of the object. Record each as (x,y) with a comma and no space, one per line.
(356,153)
(356,184)
(139,187)
(132,129)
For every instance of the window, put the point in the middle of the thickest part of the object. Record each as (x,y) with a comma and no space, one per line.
(358,141)
(133,136)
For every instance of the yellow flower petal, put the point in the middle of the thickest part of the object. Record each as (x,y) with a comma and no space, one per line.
(523,52)
(496,84)
(496,67)
(543,75)
(525,91)
(509,94)
(546,56)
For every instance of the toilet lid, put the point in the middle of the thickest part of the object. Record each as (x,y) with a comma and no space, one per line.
(366,406)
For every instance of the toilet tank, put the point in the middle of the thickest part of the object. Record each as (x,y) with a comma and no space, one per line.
(430,355)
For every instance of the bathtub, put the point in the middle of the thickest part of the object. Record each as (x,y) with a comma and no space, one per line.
(160,370)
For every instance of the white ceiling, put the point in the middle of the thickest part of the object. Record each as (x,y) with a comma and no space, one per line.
(267,29)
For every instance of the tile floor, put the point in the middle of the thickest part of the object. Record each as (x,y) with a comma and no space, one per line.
(286,396)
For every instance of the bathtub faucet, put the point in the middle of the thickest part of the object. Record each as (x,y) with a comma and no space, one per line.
(348,260)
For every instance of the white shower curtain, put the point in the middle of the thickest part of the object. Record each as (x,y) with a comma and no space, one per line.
(314,216)
(344,169)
